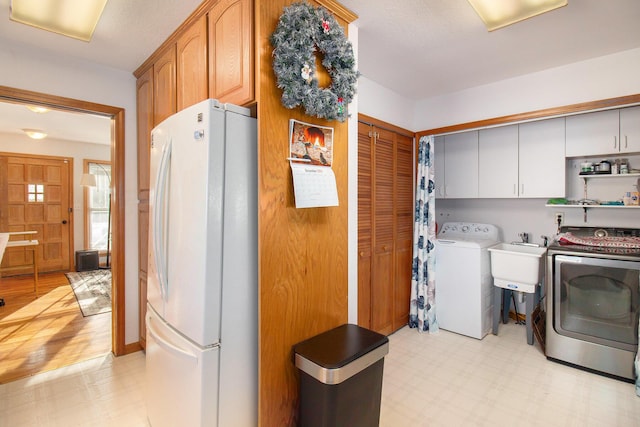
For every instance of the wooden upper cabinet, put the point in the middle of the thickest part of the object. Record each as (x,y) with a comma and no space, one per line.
(191,62)
(144,99)
(164,85)
(231,74)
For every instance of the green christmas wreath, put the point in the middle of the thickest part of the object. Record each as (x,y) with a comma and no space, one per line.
(302,30)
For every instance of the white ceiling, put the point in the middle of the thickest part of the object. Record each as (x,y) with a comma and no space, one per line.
(425,48)
(417,48)
(127,33)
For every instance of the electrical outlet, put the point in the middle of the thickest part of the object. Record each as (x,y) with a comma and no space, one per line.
(559,218)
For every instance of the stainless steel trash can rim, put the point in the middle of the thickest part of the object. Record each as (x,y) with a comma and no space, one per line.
(333,376)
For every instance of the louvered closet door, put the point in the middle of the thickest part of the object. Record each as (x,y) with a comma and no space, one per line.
(382,273)
(404,206)
(385,227)
(365,186)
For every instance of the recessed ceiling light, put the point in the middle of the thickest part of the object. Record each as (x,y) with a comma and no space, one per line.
(37,109)
(72,18)
(35,133)
(500,13)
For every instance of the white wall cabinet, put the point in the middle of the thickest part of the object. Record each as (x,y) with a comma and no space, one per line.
(541,158)
(525,160)
(593,133)
(461,165)
(498,162)
(528,160)
(603,132)
(630,130)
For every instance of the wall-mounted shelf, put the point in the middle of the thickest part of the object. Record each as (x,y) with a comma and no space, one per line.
(586,207)
(609,175)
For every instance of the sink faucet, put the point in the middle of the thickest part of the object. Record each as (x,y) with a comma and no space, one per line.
(524,237)
(545,240)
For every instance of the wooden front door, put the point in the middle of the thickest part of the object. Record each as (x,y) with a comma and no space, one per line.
(35,195)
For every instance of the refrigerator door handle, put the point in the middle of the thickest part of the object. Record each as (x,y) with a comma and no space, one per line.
(160,220)
(167,345)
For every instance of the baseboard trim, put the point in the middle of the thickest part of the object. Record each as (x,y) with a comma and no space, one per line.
(131,348)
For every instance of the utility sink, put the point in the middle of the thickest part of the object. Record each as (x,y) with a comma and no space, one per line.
(517,267)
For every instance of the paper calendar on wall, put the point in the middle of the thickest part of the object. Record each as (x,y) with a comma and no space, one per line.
(311,156)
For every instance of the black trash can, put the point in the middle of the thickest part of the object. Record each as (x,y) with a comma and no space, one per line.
(341,377)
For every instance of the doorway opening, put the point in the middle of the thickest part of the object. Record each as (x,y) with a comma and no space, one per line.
(116,116)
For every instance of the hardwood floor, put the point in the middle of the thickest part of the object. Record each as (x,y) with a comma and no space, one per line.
(45,333)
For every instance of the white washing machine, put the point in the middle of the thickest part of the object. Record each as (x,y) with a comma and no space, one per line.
(464,285)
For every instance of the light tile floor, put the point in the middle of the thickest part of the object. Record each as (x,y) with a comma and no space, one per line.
(443,379)
(100,392)
(446,379)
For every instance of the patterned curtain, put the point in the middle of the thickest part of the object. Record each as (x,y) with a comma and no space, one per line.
(422,312)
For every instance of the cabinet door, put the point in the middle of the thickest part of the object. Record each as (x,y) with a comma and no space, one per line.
(365,197)
(144,111)
(231,74)
(498,162)
(403,247)
(191,62)
(439,166)
(461,165)
(630,130)
(364,287)
(542,162)
(164,85)
(143,230)
(592,133)
(382,274)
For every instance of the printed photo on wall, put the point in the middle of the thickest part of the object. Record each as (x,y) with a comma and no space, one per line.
(310,143)
(311,155)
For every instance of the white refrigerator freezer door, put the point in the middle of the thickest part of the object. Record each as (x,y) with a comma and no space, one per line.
(182,378)
(160,158)
(193,297)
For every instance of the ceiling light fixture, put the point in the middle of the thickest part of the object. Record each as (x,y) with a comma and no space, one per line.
(35,133)
(72,18)
(37,109)
(500,13)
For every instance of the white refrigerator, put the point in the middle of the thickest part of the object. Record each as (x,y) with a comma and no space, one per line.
(202,284)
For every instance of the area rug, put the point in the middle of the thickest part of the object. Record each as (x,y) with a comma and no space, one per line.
(93,290)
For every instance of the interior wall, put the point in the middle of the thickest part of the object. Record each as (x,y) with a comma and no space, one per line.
(303,253)
(78,151)
(604,77)
(27,68)
(386,105)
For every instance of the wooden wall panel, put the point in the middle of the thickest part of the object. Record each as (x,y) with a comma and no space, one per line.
(302,252)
